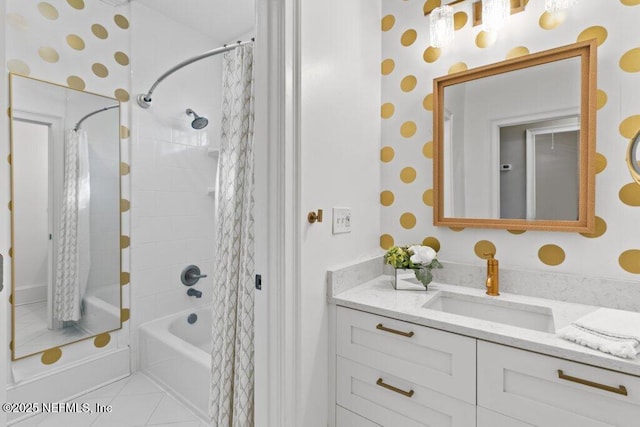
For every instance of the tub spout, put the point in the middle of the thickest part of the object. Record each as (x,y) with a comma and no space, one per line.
(194,293)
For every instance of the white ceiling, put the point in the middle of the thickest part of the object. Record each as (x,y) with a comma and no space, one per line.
(222,20)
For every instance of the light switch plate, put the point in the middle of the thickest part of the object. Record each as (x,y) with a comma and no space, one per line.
(341,220)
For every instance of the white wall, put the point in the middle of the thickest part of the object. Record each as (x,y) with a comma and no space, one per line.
(172,215)
(31,204)
(102,130)
(454,99)
(340,142)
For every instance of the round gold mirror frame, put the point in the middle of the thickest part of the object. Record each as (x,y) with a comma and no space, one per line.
(633,159)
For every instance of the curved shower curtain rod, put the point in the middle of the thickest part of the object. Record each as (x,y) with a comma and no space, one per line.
(144,100)
(77,126)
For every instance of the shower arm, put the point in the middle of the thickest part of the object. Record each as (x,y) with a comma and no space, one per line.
(144,100)
(93,113)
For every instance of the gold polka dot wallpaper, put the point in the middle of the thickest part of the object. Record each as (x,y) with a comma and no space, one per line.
(409,64)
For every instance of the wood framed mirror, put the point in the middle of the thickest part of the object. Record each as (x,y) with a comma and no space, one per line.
(514,143)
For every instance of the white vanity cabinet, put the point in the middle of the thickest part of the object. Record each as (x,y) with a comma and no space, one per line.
(487,418)
(348,418)
(395,373)
(546,391)
(399,374)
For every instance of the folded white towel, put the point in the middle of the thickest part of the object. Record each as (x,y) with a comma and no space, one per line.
(611,331)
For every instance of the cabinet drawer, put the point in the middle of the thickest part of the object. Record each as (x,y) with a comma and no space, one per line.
(391,401)
(487,418)
(439,360)
(345,418)
(547,391)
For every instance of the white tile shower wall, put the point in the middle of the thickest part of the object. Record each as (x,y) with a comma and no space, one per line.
(105,210)
(173,222)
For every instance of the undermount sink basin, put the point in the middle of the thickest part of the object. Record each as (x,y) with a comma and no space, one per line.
(494,309)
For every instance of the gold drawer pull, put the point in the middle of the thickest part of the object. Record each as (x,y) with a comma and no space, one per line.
(381,383)
(394,331)
(618,390)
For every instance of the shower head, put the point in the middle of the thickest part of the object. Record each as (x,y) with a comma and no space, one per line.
(198,122)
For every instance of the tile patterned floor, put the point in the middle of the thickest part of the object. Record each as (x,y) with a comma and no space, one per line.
(136,402)
(35,335)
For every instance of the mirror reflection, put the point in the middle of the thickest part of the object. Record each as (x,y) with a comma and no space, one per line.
(513,140)
(633,158)
(65,166)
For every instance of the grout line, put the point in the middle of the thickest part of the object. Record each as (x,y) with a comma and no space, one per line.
(106,400)
(154,409)
(197,417)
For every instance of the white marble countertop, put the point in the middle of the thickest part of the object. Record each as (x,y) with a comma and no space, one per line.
(378,296)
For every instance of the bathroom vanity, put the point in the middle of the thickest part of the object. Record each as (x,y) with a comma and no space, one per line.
(453,356)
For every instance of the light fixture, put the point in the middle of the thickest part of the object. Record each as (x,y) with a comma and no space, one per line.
(495,14)
(441,26)
(556,5)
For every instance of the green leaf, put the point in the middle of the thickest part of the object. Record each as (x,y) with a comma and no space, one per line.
(424,276)
(435,264)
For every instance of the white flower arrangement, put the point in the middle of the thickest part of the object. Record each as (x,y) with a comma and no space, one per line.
(420,259)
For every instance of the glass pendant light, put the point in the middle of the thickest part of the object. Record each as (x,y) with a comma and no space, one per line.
(556,5)
(441,26)
(495,14)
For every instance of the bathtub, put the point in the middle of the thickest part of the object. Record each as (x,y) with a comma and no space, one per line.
(177,355)
(101,310)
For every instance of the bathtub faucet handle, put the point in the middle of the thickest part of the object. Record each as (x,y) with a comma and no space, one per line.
(190,275)
(194,293)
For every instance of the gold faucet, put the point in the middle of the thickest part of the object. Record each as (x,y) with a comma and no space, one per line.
(493,280)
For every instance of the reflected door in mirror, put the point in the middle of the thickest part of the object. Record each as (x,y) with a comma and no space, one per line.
(32,204)
(539,170)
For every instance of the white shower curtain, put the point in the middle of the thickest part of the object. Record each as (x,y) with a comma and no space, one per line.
(231,397)
(72,257)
